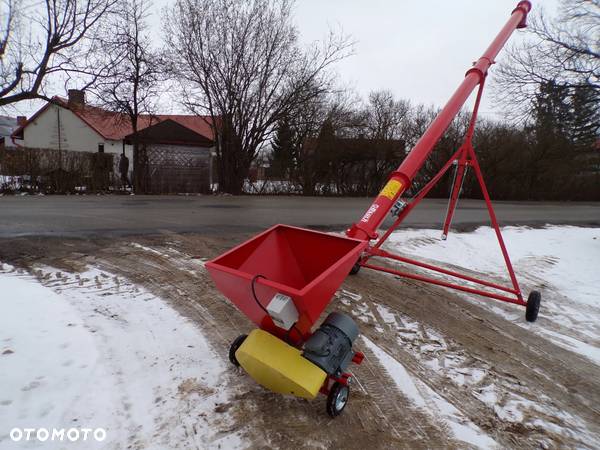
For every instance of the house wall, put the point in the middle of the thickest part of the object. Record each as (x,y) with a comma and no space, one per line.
(58,128)
(75,135)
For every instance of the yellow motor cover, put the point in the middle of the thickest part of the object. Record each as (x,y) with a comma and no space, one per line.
(278,366)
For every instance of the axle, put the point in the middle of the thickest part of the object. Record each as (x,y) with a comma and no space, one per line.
(401,179)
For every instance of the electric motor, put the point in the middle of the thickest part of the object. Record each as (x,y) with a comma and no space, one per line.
(330,347)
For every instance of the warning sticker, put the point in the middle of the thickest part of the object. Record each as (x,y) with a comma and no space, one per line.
(391,189)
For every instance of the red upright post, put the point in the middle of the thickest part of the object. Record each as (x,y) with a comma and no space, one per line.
(463,163)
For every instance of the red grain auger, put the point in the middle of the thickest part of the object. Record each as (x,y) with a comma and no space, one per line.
(283,279)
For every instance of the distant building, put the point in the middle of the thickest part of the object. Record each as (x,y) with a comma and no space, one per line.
(590,160)
(7,127)
(72,125)
(352,166)
(362,148)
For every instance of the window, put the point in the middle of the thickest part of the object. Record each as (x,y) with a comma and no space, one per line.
(100,148)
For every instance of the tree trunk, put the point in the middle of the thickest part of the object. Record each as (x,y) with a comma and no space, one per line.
(140,166)
(232,174)
(233,163)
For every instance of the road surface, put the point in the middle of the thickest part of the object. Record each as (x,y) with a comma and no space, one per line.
(128,215)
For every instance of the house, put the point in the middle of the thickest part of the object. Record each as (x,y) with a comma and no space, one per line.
(590,160)
(7,126)
(72,125)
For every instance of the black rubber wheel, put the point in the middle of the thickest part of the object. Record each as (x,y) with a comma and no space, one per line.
(355,269)
(233,348)
(337,399)
(533,306)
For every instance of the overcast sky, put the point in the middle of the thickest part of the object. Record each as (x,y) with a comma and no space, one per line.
(419,50)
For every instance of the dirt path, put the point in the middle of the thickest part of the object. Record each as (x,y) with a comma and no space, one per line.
(513,386)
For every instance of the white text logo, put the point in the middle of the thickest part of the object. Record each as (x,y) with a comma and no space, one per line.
(369,213)
(57,434)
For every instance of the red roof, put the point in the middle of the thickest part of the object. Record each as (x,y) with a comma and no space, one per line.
(115,126)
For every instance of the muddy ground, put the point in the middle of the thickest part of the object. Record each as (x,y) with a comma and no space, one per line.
(456,347)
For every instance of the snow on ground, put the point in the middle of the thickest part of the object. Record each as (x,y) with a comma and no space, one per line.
(181,260)
(420,394)
(426,398)
(92,350)
(563,262)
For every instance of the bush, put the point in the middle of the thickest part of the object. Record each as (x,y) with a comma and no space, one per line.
(55,171)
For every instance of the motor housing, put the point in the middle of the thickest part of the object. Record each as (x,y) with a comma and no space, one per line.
(330,347)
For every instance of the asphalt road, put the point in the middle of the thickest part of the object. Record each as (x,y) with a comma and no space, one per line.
(122,215)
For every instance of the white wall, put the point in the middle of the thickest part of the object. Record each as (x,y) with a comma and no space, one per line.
(58,128)
(74,134)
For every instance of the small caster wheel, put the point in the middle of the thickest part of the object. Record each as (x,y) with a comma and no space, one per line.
(355,269)
(233,348)
(533,306)
(337,399)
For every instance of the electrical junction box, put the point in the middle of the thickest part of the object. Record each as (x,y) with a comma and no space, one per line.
(282,310)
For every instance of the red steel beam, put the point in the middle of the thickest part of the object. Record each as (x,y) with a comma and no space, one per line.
(447,284)
(400,180)
(384,254)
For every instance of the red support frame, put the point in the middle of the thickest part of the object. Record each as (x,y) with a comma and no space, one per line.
(464,157)
(390,197)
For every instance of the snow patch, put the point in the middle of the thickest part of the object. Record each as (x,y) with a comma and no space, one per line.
(94,350)
(430,401)
(560,261)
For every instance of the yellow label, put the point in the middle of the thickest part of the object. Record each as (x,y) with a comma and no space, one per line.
(391,189)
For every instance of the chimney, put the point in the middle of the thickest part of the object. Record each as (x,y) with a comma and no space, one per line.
(76,97)
(21,120)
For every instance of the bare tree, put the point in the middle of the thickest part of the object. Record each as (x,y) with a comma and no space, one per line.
(336,110)
(240,63)
(563,50)
(44,40)
(132,86)
(340,146)
(386,116)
